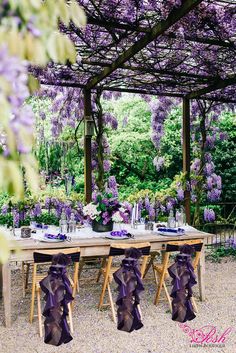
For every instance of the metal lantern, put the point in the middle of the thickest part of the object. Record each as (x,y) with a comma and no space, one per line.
(88,126)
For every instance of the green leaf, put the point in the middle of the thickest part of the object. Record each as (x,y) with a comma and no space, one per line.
(77,14)
(64,12)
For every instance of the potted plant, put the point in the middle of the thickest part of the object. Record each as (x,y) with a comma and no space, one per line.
(103,211)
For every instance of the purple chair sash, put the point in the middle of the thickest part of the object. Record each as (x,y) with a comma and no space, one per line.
(128,278)
(58,294)
(183,279)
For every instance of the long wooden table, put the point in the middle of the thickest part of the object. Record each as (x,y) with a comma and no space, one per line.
(91,247)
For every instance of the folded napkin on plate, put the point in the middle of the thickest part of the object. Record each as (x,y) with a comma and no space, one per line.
(171,230)
(56,236)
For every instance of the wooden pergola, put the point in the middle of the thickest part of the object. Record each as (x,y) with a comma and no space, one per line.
(148,55)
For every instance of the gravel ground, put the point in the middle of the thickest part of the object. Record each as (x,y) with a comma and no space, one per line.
(96,333)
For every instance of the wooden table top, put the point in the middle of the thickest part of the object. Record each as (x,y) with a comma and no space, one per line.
(143,236)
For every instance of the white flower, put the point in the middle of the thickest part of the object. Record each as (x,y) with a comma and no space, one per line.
(122,209)
(91,211)
(117,217)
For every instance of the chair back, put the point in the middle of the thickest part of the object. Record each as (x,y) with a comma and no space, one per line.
(44,256)
(119,249)
(174,246)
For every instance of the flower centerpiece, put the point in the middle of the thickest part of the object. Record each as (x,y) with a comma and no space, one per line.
(103,211)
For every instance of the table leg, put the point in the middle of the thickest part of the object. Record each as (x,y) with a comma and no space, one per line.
(0,281)
(201,275)
(6,276)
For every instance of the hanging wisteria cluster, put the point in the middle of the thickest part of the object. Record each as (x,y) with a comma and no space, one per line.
(27,37)
(205,133)
(183,59)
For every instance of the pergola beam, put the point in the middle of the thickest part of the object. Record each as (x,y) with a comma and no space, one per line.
(135,91)
(219,84)
(174,16)
(140,29)
(150,70)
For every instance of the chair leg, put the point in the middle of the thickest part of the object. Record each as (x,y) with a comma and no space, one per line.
(76,279)
(27,276)
(150,263)
(104,287)
(167,295)
(140,312)
(162,277)
(39,314)
(81,265)
(195,309)
(23,278)
(32,303)
(70,318)
(33,294)
(106,282)
(100,270)
(111,303)
(155,274)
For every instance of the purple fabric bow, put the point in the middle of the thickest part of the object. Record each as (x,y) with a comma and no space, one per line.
(121,233)
(130,285)
(58,294)
(183,279)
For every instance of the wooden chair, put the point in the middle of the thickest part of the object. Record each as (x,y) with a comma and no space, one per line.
(151,262)
(43,257)
(108,270)
(162,269)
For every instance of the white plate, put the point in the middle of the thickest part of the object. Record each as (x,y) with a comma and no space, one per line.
(46,240)
(116,238)
(170,234)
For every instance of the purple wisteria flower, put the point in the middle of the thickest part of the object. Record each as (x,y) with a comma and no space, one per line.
(214,195)
(13,73)
(208,157)
(16,218)
(151,212)
(106,165)
(209,215)
(209,168)
(159,110)
(195,167)
(111,120)
(231,243)
(147,203)
(162,208)
(180,194)
(158,162)
(112,186)
(4,210)
(36,211)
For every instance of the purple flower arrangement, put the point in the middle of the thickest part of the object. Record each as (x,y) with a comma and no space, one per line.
(105,209)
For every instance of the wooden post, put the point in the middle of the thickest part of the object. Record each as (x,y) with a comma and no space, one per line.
(186,154)
(87,148)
